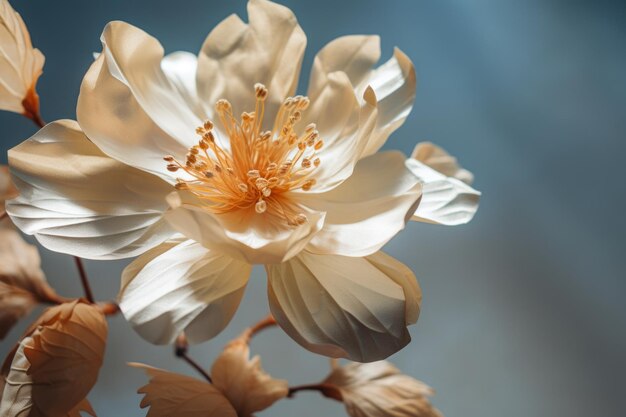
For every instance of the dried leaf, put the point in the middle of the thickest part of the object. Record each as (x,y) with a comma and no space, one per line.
(22,282)
(57,363)
(22,64)
(378,389)
(169,394)
(243,381)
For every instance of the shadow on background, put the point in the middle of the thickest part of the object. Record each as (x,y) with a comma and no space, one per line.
(524,311)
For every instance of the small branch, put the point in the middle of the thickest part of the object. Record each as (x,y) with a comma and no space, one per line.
(326,390)
(250,332)
(181,348)
(84,280)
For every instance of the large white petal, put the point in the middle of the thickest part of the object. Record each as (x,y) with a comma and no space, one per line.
(366,210)
(134,105)
(446,200)
(236,55)
(343,306)
(244,235)
(394,84)
(182,286)
(77,200)
(355,55)
(390,88)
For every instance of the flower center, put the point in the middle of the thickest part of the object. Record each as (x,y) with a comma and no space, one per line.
(260,167)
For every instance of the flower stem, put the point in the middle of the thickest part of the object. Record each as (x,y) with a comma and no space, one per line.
(326,390)
(250,332)
(181,348)
(84,280)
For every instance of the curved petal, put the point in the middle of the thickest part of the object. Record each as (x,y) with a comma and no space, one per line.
(366,210)
(394,84)
(342,306)
(131,108)
(438,159)
(344,128)
(7,189)
(182,286)
(77,200)
(446,200)
(355,55)
(244,235)
(236,55)
(181,68)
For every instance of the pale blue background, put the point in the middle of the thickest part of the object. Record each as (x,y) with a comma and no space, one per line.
(524,312)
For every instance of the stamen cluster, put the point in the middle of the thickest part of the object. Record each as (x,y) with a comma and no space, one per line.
(260,167)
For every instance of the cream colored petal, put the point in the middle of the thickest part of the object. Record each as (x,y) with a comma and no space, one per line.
(182,286)
(341,306)
(394,84)
(7,188)
(446,200)
(169,394)
(236,55)
(20,64)
(368,209)
(132,103)
(181,68)
(243,235)
(242,380)
(344,128)
(76,200)
(379,390)
(57,364)
(22,282)
(355,55)
(438,159)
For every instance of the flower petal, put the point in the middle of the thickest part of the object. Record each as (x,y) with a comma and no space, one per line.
(236,55)
(76,200)
(394,84)
(446,200)
(368,209)
(7,189)
(244,235)
(20,64)
(131,104)
(355,55)
(438,159)
(344,128)
(242,380)
(169,394)
(181,68)
(342,306)
(182,286)
(57,363)
(379,390)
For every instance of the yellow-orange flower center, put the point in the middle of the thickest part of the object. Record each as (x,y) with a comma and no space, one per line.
(260,167)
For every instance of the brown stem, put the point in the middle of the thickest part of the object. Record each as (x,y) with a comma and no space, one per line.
(250,332)
(326,390)
(4,216)
(181,347)
(84,280)
(36,118)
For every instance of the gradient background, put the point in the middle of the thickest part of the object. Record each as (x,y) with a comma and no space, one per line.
(524,311)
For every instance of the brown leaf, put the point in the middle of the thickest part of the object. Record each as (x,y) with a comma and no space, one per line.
(378,389)
(22,282)
(56,364)
(169,394)
(243,381)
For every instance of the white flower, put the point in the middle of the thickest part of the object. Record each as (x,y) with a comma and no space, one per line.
(291,182)
(378,389)
(20,64)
